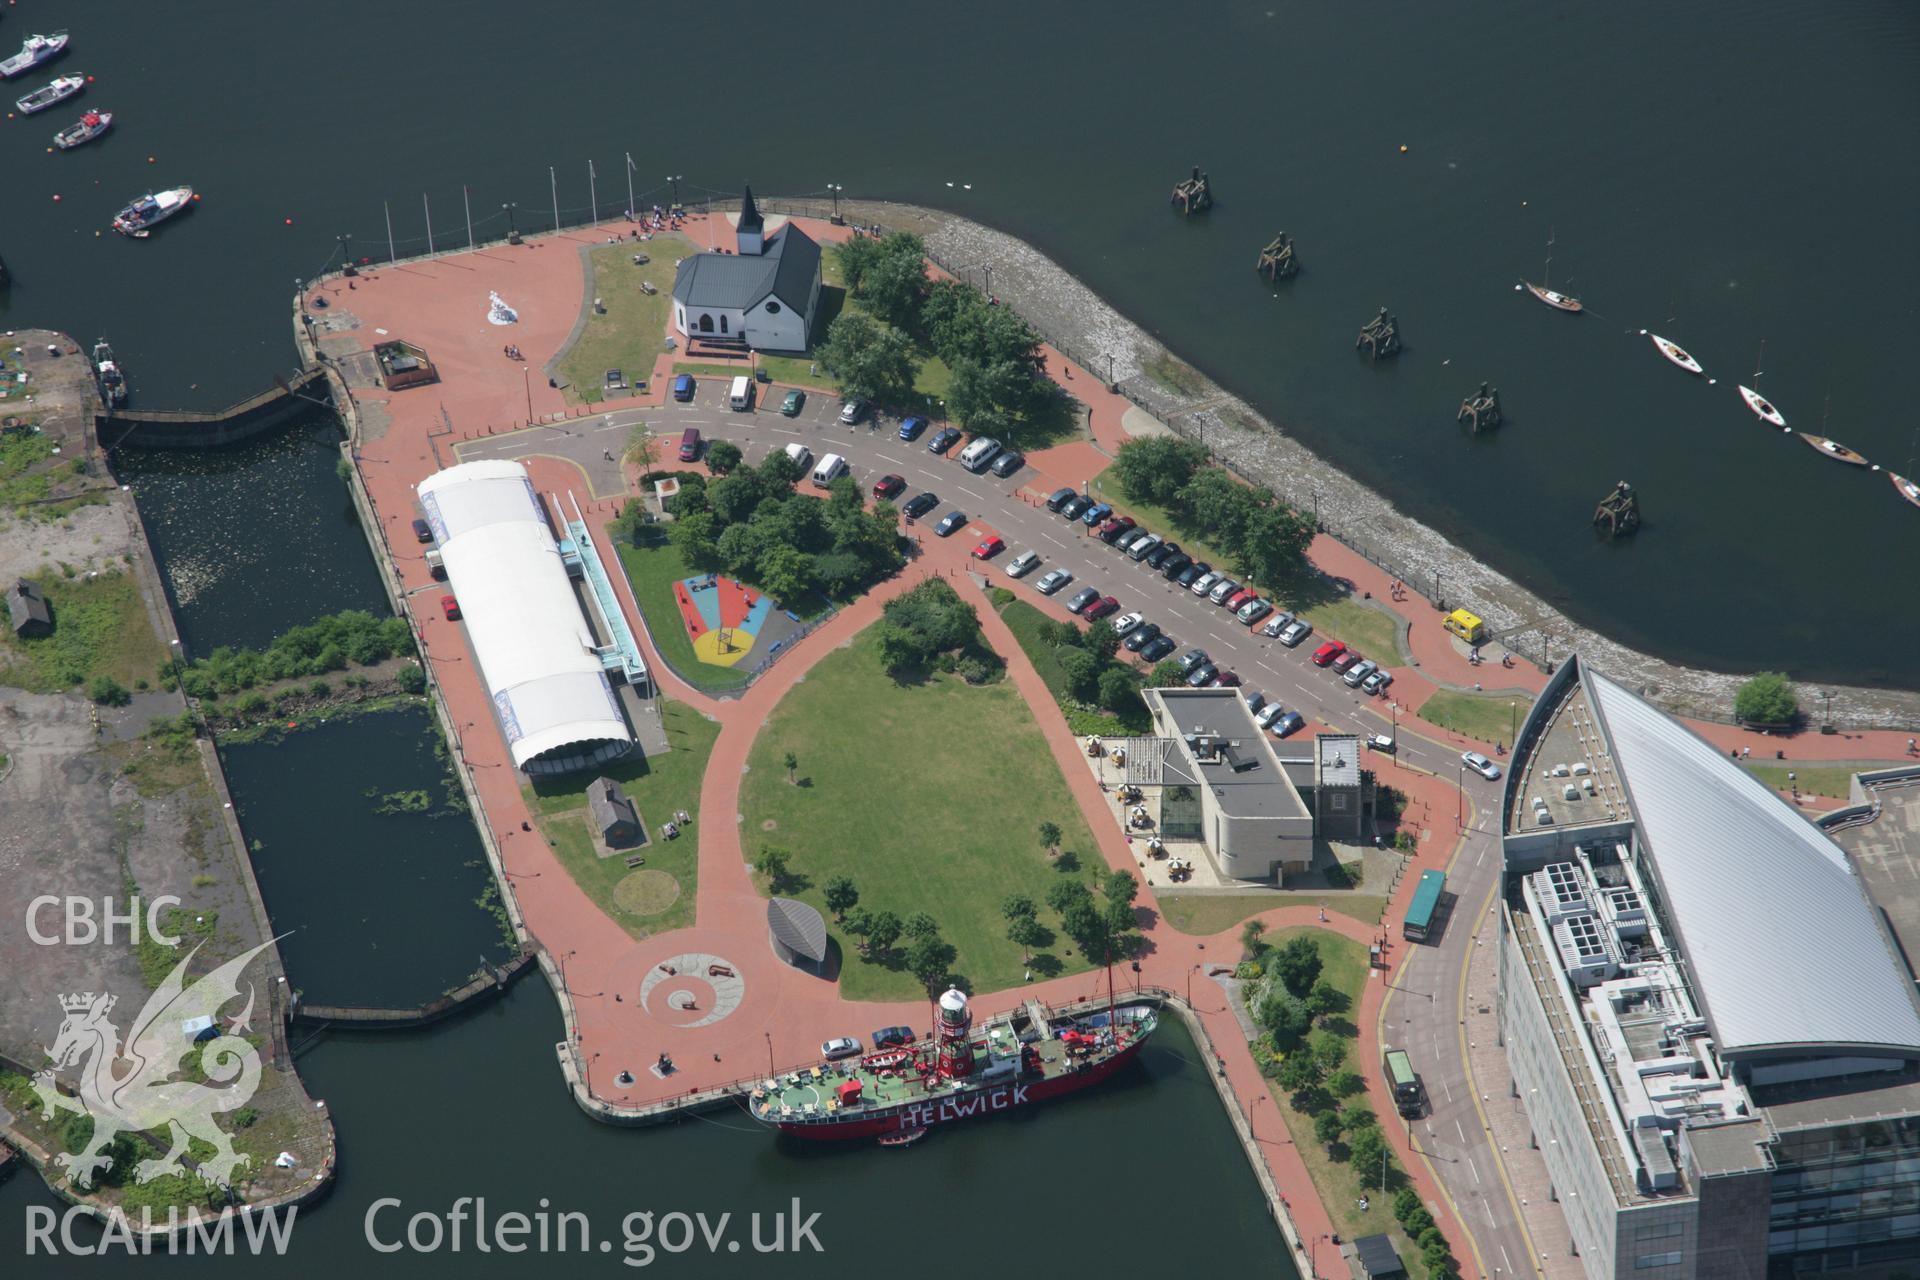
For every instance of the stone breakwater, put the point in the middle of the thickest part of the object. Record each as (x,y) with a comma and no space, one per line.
(1082,325)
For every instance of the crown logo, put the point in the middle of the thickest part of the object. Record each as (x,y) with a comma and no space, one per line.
(81,1001)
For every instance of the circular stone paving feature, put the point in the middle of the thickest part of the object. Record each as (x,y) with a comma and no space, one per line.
(646,893)
(671,983)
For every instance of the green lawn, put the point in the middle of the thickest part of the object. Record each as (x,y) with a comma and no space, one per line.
(659,786)
(1338,1183)
(1025,621)
(1207,914)
(1489,717)
(1816,780)
(652,571)
(634,327)
(100,627)
(929,797)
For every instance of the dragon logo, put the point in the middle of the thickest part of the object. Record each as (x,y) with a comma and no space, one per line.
(151,1096)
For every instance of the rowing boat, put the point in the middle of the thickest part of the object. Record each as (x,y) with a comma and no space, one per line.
(1672,351)
(1834,449)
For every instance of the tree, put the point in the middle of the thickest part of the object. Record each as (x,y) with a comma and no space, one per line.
(1102,639)
(841,896)
(1275,543)
(883,930)
(870,360)
(1298,963)
(1250,935)
(859,924)
(1344,1083)
(1016,905)
(900,650)
(413,679)
(777,472)
(1026,933)
(723,457)
(790,762)
(775,864)
(1062,895)
(696,537)
(1166,675)
(1325,998)
(1120,886)
(929,959)
(1082,671)
(1368,1153)
(1118,693)
(1155,468)
(922,925)
(1050,838)
(786,573)
(1299,1072)
(1284,1014)
(894,283)
(1328,1126)
(1329,1050)
(856,256)
(1767,699)
(1405,1202)
(1359,1118)
(1219,505)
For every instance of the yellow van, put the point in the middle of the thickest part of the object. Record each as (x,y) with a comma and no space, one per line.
(1468,626)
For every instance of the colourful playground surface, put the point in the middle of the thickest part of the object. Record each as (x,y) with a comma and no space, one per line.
(723,618)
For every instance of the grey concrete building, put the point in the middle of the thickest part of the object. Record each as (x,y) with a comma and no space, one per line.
(27,611)
(614,816)
(1712,1034)
(1224,786)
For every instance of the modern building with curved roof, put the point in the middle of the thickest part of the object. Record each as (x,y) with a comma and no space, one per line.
(797,933)
(535,648)
(1712,1031)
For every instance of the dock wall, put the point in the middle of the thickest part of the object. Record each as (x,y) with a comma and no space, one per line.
(181,429)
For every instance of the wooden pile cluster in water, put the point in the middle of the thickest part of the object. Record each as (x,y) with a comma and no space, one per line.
(1481,410)
(1277,261)
(1380,336)
(1194,194)
(1619,512)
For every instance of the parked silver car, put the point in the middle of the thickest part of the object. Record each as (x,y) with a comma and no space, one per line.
(1024,563)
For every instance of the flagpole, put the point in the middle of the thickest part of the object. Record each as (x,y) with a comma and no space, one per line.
(388,210)
(466,199)
(593,193)
(632,212)
(554,182)
(428,208)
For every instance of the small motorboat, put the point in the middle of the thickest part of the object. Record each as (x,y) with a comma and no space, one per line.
(139,218)
(902,1138)
(1553,299)
(62,88)
(34,51)
(1673,352)
(1908,489)
(1834,449)
(84,130)
(106,371)
(1760,406)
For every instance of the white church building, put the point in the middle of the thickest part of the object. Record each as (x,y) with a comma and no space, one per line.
(763,296)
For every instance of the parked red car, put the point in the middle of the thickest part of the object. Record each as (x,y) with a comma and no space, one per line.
(1327,652)
(1113,528)
(1345,660)
(888,486)
(989,547)
(1100,608)
(450,607)
(1244,596)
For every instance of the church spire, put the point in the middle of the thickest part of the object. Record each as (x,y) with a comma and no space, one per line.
(751,230)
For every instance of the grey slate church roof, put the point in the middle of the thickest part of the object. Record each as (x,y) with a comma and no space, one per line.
(736,281)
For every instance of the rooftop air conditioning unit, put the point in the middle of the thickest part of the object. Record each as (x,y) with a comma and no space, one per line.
(1571,793)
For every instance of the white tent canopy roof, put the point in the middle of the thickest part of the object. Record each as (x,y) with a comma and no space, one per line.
(1787,952)
(535,649)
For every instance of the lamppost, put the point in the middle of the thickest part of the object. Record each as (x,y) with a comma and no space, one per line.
(1460,794)
(1826,722)
(769,1036)
(836,188)
(1110,382)
(1436,590)
(1513,722)
(513,226)
(674,178)
(346,254)
(989,270)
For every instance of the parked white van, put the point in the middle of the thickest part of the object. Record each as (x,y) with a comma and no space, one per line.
(801,455)
(977,455)
(831,468)
(741,397)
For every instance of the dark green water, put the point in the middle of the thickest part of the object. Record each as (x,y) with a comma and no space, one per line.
(254,538)
(374,908)
(1746,169)
(1140,1177)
